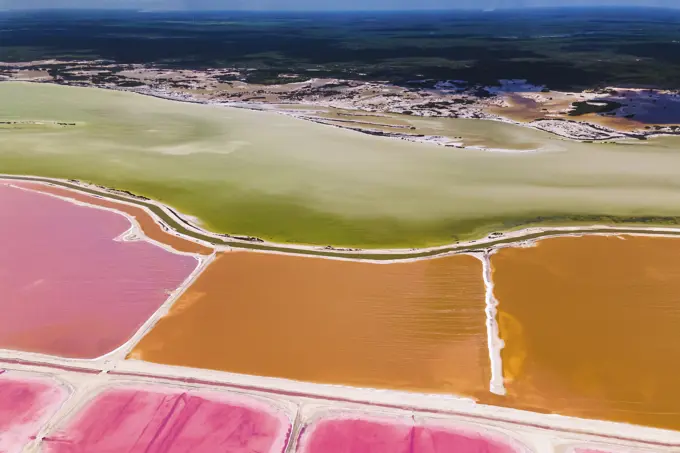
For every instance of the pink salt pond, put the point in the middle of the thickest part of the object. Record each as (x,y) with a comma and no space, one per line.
(69,288)
(145,421)
(366,436)
(25,406)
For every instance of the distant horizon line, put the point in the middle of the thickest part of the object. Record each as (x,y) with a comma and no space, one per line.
(316,11)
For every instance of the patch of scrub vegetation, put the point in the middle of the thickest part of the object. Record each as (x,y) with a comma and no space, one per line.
(277,178)
(597,106)
(15,123)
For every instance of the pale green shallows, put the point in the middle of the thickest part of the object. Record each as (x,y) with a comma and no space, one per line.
(287,180)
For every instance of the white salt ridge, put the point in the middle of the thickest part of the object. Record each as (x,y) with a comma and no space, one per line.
(496,385)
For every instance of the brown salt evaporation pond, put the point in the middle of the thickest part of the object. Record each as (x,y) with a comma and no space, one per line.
(411,326)
(592,327)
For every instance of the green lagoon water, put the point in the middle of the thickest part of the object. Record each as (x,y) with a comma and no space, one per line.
(286,180)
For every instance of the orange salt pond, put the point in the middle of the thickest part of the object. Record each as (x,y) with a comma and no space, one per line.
(592,327)
(150,228)
(411,326)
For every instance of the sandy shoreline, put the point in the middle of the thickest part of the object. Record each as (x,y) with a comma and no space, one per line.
(580,130)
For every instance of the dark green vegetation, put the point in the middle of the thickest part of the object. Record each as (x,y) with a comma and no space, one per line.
(583,108)
(561,48)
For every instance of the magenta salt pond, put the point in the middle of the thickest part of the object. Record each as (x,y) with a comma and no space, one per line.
(68,287)
(381,436)
(138,420)
(25,406)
